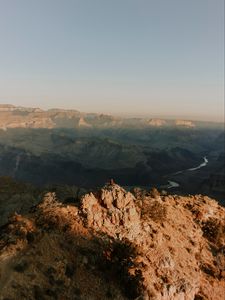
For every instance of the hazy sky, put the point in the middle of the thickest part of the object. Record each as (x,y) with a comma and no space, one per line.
(142,57)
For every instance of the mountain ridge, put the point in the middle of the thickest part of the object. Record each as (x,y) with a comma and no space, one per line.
(25,117)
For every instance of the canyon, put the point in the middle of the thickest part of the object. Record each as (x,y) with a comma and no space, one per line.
(60,146)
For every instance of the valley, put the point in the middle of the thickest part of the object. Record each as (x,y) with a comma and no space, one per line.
(57,147)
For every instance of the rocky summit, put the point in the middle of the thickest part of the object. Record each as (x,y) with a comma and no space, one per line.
(114,244)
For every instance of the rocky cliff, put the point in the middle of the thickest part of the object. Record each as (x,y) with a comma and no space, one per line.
(113,244)
(25,117)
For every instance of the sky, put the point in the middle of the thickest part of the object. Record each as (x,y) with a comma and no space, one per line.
(122,57)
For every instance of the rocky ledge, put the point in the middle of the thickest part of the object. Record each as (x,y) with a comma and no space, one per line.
(113,244)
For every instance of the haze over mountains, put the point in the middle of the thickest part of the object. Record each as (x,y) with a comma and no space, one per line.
(26,117)
(85,149)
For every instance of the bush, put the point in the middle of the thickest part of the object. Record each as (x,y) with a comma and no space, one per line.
(154,210)
(119,259)
(21,266)
(154,193)
(214,231)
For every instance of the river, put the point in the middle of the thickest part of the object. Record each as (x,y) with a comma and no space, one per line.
(173,184)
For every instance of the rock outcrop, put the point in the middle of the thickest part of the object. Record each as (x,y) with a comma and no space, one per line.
(156,122)
(26,117)
(112,211)
(113,244)
(185,123)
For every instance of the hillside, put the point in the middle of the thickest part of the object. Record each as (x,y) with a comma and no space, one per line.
(113,244)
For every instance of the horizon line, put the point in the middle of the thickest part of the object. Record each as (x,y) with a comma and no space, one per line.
(126,115)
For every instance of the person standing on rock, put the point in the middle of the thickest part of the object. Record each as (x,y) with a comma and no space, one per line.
(112,182)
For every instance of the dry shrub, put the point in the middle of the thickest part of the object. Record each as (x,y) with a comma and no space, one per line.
(154,193)
(139,193)
(214,231)
(155,210)
(119,259)
(123,255)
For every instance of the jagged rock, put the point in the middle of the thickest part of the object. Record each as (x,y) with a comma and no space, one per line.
(112,211)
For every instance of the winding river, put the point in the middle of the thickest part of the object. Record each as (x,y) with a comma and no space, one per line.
(173,184)
(205,162)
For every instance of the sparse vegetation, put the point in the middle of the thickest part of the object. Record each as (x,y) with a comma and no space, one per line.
(121,259)
(154,193)
(21,266)
(214,231)
(154,209)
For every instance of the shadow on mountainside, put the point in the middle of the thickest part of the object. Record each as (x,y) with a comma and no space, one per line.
(51,255)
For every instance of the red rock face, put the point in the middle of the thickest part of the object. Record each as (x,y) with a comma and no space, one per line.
(115,245)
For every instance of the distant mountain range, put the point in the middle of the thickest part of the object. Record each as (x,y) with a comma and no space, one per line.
(25,117)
